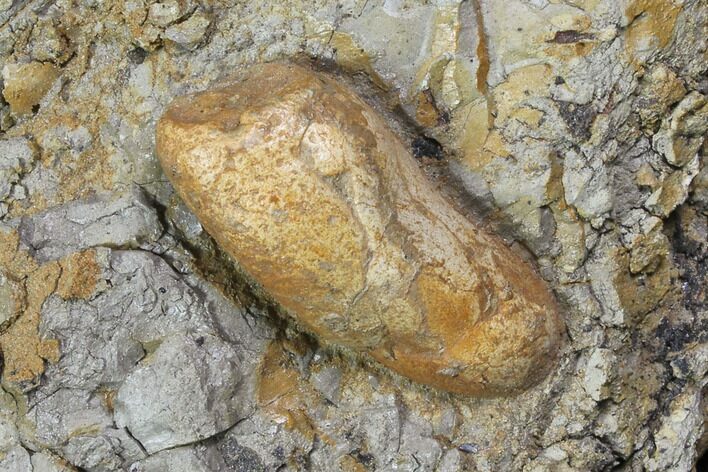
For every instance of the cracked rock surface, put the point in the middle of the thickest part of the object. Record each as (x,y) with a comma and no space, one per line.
(573,129)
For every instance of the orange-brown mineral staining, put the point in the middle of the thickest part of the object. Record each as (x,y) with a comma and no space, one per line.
(307,187)
(24,352)
(26,84)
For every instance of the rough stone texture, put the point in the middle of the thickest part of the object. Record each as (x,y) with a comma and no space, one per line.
(16,158)
(16,459)
(566,126)
(101,221)
(183,392)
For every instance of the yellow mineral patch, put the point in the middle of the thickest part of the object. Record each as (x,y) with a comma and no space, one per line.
(426,112)
(465,82)
(79,274)
(479,144)
(482,50)
(12,300)
(353,58)
(23,350)
(26,84)
(446,28)
(651,25)
(281,392)
(474,136)
(520,85)
(108,396)
(530,116)
(496,145)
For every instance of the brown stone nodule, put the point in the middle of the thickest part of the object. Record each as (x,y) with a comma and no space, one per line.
(311,192)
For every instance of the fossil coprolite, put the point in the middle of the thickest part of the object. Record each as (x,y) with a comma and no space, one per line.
(307,187)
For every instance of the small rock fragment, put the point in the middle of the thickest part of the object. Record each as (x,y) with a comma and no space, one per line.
(9,436)
(17,459)
(238,457)
(693,230)
(190,33)
(26,85)
(644,237)
(327,382)
(41,461)
(678,431)
(468,448)
(102,452)
(416,441)
(48,44)
(660,89)
(673,190)
(184,392)
(165,12)
(648,251)
(587,185)
(451,461)
(597,373)
(381,426)
(275,447)
(179,459)
(60,416)
(444,422)
(184,220)
(682,134)
(16,157)
(646,177)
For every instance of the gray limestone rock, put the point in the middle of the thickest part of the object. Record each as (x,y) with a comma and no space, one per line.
(44,462)
(104,220)
(274,443)
(327,382)
(145,301)
(178,459)
(67,413)
(16,459)
(418,446)
(191,32)
(683,132)
(16,157)
(187,390)
(9,437)
(111,450)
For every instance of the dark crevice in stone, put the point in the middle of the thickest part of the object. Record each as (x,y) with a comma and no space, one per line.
(424,146)
(578,118)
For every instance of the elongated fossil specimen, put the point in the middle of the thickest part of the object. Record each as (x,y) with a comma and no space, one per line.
(311,192)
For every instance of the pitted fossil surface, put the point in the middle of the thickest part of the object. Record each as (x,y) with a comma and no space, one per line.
(307,187)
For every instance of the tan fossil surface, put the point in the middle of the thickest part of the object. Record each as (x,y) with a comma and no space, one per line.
(313,194)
